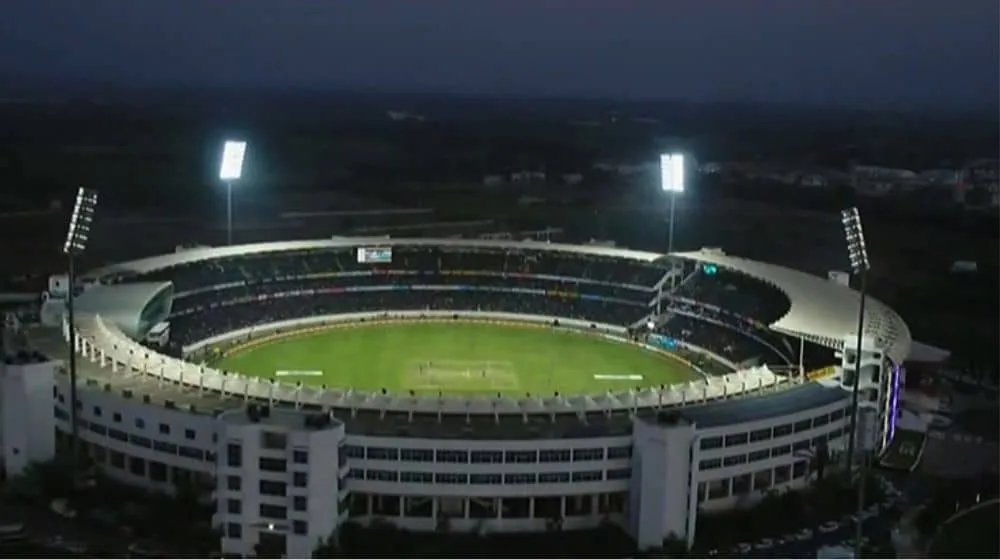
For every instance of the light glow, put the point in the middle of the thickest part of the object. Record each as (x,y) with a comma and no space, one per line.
(672,173)
(232,160)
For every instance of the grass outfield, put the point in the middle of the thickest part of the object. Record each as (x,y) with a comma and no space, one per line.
(457,357)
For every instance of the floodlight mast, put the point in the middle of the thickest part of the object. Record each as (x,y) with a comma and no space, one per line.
(857,252)
(671,182)
(231,169)
(77,237)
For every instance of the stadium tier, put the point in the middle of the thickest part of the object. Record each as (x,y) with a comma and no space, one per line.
(466,384)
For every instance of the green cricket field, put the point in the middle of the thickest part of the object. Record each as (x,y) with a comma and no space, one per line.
(458,357)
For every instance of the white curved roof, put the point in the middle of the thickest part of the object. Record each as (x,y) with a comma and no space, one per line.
(122,303)
(820,311)
(211,253)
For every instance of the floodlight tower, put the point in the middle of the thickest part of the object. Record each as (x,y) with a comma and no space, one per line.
(672,183)
(231,169)
(76,243)
(857,252)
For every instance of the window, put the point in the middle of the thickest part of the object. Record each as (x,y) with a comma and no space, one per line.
(97,411)
(800,469)
(116,417)
(117,434)
(420,477)
(383,453)
(190,452)
(451,478)
(381,475)
(117,459)
(553,477)
(234,507)
(803,425)
(554,456)
(354,451)
(783,430)
(273,440)
(234,530)
(837,414)
(189,433)
(165,447)
(140,441)
(734,460)
(137,466)
(300,457)
(300,527)
(271,464)
(760,455)
(489,478)
(300,503)
(521,457)
(234,483)
(709,464)
(272,488)
(736,439)
(711,443)
(781,450)
(588,454)
(588,476)
(300,479)
(760,435)
(519,478)
(157,471)
(489,456)
(234,455)
(356,474)
(821,421)
(622,452)
(140,424)
(801,445)
(164,429)
(270,511)
(416,455)
(451,456)
(619,474)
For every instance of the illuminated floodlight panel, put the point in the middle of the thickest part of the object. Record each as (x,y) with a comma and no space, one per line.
(232,160)
(672,172)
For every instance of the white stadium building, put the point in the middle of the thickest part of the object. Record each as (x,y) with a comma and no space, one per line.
(290,463)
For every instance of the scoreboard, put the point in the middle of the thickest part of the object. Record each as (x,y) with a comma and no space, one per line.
(374,255)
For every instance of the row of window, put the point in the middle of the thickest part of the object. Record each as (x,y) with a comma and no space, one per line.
(764,434)
(138,440)
(234,458)
(759,481)
(155,471)
(381,475)
(299,527)
(762,454)
(489,456)
(538,507)
(116,418)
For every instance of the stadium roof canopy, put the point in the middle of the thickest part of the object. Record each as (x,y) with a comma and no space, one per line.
(127,305)
(821,311)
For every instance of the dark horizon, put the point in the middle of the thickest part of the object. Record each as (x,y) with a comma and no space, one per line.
(918,55)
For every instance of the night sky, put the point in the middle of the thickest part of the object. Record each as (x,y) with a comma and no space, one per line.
(877,53)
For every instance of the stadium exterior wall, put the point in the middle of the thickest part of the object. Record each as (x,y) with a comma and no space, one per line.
(143,443)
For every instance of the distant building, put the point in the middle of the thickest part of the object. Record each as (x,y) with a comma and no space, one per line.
(493,180)
(572,178)
(527,177)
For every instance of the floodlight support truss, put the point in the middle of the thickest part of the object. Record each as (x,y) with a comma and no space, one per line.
(74,446)
(229,212)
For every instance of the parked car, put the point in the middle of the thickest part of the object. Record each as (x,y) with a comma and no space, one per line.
(829,527)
